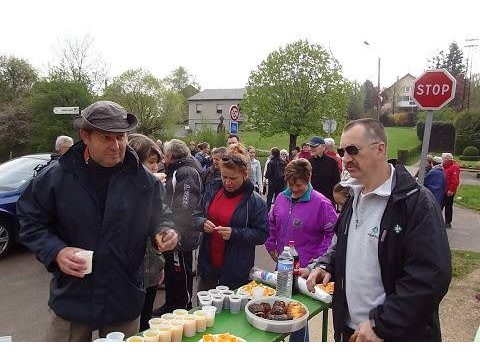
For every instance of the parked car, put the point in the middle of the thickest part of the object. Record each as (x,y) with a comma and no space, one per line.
(15,175)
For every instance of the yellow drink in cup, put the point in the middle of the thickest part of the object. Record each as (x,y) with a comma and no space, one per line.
(177,330)
(189,325)
(201,320)
(135,338)
(164,333)
(151,335)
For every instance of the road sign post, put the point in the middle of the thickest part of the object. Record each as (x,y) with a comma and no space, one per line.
(234,112)
(233,127)
(431,91)
(329,126)
(66,110)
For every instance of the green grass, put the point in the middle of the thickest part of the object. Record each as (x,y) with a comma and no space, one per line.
(464,262)
(398,138)
(468,196)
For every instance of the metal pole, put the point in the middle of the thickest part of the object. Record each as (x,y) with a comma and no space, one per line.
(378,89)
(425,145)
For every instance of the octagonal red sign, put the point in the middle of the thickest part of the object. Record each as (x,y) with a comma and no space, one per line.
(434,89)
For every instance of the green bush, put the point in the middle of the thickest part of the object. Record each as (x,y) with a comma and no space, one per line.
(467,130)
(208,135)
(442,137)
(469,157)
(470,151)
(406,156)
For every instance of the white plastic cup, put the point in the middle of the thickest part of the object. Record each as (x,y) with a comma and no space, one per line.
(235,303)
(222,287)
(177,330)
(189,325)
(165,333)
(179,313)
(205,300)
(203,293)
(135,338)
(201,318)
(86,255)
(151,335)
(115,336)
(245,300)
(168,316)
(226,298)
(156,322)
(217,301)
(210,311)
(214,292)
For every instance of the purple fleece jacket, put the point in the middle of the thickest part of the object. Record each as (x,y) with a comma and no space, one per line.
(309,222)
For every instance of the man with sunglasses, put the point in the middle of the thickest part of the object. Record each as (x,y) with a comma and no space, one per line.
(391,260)
(325,172)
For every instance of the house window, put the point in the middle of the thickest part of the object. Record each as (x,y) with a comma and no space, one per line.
(198,108)
(407,89)
(219,108)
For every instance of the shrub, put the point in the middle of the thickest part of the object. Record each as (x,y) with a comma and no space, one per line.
(469,157)
(470,151)
(208,135)
(467,130)
(442,137)
(405,156)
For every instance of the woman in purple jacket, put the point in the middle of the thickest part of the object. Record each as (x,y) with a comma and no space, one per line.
(301,214)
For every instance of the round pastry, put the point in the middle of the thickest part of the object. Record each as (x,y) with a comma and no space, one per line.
(295,309)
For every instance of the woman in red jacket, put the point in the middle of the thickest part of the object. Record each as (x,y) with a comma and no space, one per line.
(452,177)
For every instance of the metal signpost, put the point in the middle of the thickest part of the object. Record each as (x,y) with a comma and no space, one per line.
(431,91)
(66,110)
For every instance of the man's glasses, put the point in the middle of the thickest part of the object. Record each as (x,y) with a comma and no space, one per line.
(352,149)
(235,159)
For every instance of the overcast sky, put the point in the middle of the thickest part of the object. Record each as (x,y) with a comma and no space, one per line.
(221,42)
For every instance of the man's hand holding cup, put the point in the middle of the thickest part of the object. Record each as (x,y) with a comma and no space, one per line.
(166,240)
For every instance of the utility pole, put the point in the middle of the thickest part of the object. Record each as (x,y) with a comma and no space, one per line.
(379,102)
(469,58)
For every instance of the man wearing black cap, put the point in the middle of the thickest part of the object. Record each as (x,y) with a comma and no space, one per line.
(97,197)
(325,172)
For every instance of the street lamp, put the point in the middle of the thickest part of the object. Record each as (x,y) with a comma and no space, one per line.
(378,84)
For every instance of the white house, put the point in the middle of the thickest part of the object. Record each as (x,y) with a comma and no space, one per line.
(206,107)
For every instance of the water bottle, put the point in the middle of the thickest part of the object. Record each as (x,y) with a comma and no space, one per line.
(296,266)
(285,273)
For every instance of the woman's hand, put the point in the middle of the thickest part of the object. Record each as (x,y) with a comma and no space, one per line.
(317,275)
(208,227)
(224,232)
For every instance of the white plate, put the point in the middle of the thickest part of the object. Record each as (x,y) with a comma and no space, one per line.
(276,326)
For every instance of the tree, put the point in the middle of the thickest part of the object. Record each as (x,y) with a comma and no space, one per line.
(15,130)
(142,94)
(452,60)
(370,102)
(294,89)
(77,63)
(182,83)
(16,78)
(46,125)
(356,101)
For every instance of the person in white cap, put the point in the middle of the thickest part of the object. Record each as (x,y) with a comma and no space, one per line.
(97,197)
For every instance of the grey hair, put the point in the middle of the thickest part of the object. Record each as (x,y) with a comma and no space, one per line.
(447,156)
(220,150)
(177,148)
(63,140)
(329,141)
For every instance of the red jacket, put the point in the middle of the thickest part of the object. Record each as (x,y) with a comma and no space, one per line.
(452,175)
(335,157)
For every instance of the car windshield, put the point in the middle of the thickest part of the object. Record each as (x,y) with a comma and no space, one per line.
(15,173)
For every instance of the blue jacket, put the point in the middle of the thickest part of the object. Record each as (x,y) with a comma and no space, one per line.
(249,225)
(435,182)
(60,208)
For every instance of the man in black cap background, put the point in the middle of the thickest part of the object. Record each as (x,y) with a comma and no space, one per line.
(325,172)
(97,197)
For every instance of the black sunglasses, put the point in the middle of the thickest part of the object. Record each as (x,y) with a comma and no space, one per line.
(351,150)
(235,159)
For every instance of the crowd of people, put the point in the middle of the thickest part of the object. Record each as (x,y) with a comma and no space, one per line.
(148,208)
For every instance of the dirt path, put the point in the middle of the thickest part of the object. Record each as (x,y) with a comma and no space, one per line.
(460,310)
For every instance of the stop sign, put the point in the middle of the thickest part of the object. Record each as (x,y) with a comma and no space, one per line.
(434,89)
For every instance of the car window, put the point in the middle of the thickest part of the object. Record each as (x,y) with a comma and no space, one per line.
(15,173)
